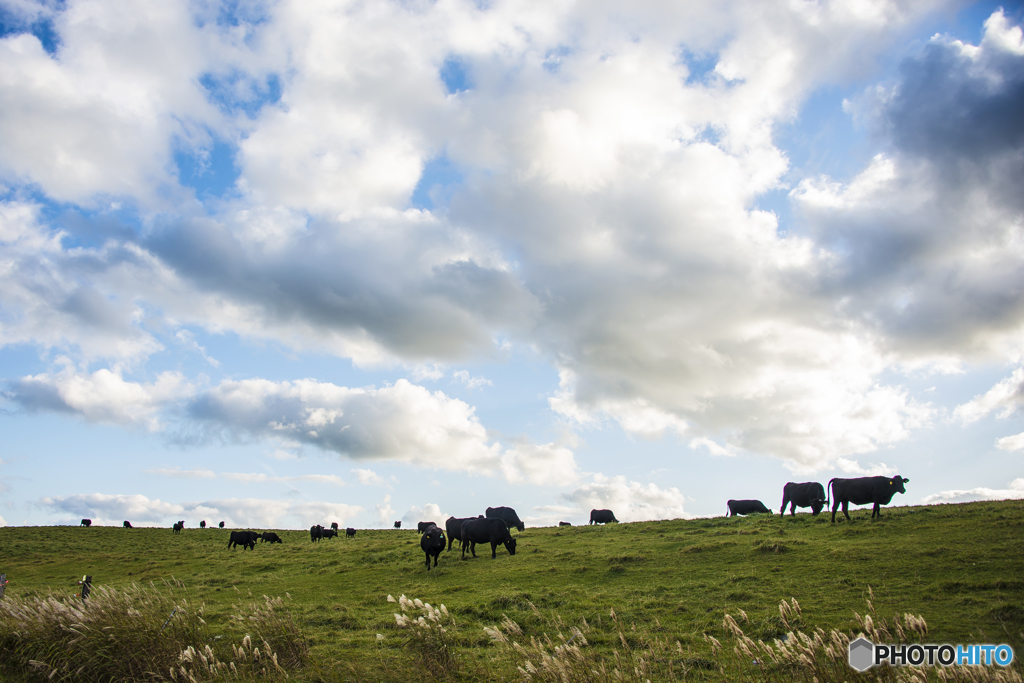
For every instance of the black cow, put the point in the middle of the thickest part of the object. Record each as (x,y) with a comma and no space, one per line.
(350,532)
(602,517)
(270,537)
(398,524)
(453,525)
(246,539)
(334,525)
(316,532)
(564,524)
(808,494)
(127,524)
(178,526)
(745,507)
(221,525)
(507,515)
(864,490)
(202,524)
(491,530)
(423,526)
(328,533)
(86,522)
(432,543)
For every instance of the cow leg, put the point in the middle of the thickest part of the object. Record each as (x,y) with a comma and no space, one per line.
(428,561)
(876,511)
(835,506)
(435,559)
(494,550)
(846,505)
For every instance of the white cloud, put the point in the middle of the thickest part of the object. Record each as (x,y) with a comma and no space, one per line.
(463,377)
(1011,443)
(630,501)
(182,474)
(1007,397)
(385,513)
(102,396)
(872,470)
(713,448)
(1014,492)
(368,477)
(429,512)
(3,522)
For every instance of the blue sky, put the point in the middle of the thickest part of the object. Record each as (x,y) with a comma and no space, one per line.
(291,263)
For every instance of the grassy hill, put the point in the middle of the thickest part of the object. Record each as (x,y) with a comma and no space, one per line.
(961,567)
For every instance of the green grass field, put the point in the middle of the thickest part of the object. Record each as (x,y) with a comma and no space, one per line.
(961,567)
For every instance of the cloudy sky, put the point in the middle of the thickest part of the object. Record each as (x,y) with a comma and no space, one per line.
(281,263)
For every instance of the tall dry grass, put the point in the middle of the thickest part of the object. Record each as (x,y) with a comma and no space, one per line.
(141,634)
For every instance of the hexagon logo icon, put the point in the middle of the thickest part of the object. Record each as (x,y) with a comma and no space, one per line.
(862,654)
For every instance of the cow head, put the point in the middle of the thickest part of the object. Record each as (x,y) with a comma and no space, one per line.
(898,482)
(816,506)
(510,546)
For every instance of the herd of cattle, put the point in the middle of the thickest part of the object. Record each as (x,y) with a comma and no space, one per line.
(494,526)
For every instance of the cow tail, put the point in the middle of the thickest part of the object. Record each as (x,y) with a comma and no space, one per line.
(829,491)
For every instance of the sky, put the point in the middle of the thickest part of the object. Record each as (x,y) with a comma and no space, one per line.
(286,263)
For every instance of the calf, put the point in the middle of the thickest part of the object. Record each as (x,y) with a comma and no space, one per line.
(432,543)
(350,532)
(86,522)
(863,490)
(270,537)
(808,494)
(745,507)
(493,531)
(246,539)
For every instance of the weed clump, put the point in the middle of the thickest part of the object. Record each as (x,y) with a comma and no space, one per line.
(431,635)
(137,634)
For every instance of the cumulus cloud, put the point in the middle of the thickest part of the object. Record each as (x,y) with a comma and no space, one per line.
(402,422)
(631,501)
(368,477)
(107,509)
(385,513)
(1014,492)
(1007,397)
(429,512)
(102,396)
(1011,443)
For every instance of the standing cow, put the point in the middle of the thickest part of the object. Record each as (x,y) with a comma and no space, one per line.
(221,525)
(808,494)
(246,539)
(453,525)
(507,515)
(423,526)
(602,517)
(334,525)
(316,532)
(86,522)
(493,531)
(432,543)
(178,526)
(202,524)
(564,524)
(863,490)
(270,537)
(745,507)
(398,524)
(350,532)
(127,524)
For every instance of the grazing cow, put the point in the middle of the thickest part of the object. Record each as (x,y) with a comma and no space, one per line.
(745,507)
(423,526)
(178,526)
(86,522)
(202,524)
(246,539)
(808,494)
(350,532)
(864,490)
(492,530)
(270,537)
(316,532)
(507,515)
(334,525)
(564,524)
(221,525)
(398,524)
(127,524)
(328,533)
(432,543)
(602,517)
(453,525)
